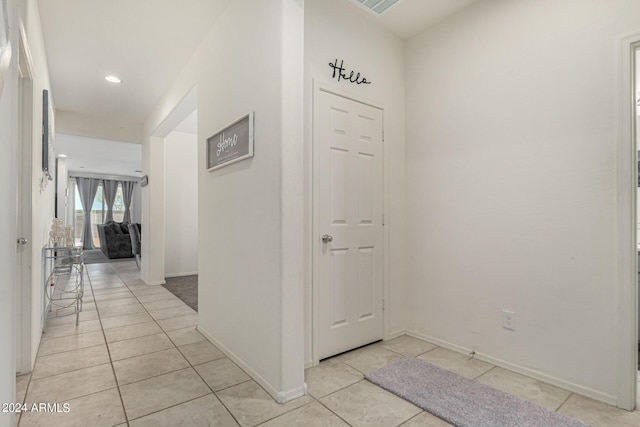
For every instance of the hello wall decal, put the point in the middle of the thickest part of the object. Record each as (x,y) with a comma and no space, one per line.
(340,73)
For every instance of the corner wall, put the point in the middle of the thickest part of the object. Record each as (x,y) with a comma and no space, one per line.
(334,30)
(511,186)
(181,204)
(249,296)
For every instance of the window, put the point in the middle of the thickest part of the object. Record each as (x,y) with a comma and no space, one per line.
(98,213)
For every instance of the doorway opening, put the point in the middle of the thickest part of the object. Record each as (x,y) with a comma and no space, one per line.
(24,322)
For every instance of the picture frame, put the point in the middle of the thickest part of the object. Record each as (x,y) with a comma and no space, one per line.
(231,144)
(5,44)
(48,149)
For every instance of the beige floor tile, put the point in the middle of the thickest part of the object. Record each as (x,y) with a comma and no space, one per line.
(118,302)
(22,382)
(71,342)
(330,376)
(102,409)
(149,365)
(251,405)
(461,364)
(204,411)
(222,373)
(144,290)
(132,331)
(122,293)
(161,392)
(63,387)
(408,346)
(182,322)
(68,361)
(160,296)
(598,414)
(168,313)
(138,346)
(185,336)
(119,311)
(425,419)
(106,291)
(109,285)
(369,358)
(163,304)
(65,320)
(312,415)
(200,352)
(71,329)
(125,320)
(542,394)
(364,404)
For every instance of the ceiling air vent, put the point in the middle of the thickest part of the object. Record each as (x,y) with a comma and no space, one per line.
(376,6)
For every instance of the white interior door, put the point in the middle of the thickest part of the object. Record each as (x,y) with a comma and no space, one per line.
(23,214)
(349,235)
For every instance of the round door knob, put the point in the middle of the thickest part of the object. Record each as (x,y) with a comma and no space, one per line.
(327,239)
(22,241)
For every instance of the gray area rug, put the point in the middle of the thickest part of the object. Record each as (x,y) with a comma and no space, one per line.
(95,256)
(185,288)
(461,401)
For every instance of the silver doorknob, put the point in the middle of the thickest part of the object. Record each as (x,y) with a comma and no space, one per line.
(327,239)
(22,241)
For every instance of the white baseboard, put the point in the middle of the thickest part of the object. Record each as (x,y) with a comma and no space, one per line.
(309,364)
(397,334)
(558,382)
(192,273)
(278,396)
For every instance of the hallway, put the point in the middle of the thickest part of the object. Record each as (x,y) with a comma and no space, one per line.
(136,359)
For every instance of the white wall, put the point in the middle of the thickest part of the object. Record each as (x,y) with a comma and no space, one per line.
(181,204)
(511,185)
(43,197)
(334,30)
(62,184)
(250,295)
(8,171)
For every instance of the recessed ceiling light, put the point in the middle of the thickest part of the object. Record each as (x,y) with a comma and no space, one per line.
(81,167)
(113,79)
(62,156)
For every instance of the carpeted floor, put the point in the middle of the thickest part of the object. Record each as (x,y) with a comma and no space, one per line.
(95,256)
(185,288)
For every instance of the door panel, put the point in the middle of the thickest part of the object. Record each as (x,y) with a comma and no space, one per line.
(348,147)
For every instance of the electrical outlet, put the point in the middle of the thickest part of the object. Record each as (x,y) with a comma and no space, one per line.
(509,320)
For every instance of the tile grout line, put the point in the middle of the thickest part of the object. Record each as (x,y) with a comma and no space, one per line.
(113,370)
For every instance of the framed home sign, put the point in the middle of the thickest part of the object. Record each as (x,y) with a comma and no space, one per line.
(231,144)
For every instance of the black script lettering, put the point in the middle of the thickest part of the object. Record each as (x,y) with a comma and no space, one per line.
(340,73)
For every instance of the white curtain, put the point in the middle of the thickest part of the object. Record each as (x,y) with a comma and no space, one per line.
(87,189)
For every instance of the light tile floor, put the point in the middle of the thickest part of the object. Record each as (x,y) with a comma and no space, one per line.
(136,360)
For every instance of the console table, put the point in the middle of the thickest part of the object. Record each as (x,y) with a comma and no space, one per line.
(63,272)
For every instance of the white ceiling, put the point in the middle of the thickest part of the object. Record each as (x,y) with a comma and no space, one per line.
(91,155)
(146,43)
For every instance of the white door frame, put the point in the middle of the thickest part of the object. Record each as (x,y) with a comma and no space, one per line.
(627,268)
(23,210)
(315,225)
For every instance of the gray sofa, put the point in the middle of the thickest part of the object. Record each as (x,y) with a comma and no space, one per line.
(115,241)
